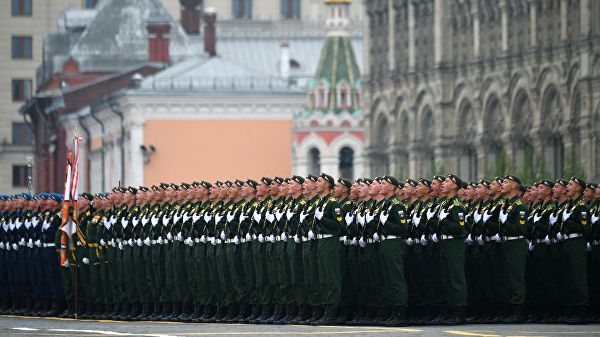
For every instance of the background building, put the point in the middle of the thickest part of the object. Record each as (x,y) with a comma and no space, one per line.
(481,87)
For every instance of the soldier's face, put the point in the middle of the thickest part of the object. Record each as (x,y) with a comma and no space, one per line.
(588,194)
(597,192)
(436,188)
(322,185)
(507,186)
(274,189)
(495,187)
(573,189)
(364,190)
(558,190)
(262,189)
(374,188)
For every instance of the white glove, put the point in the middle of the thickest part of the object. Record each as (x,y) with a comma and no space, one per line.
(480,240)
(222,235)
(85,260)
(279,215)
(236,240)
(497,238)
(30,243)
(559,236)
(120,246)
(196,240)
(553,218)
(248,237)
(147,242)
(566,215)
(319,213)
(272,238)
(349,218)
(102,243)
(243,217)
(112,242)
(113,219)
(430,213)
(1,245)
(169,236)
(139,242)
(588,246)
(135,221)
(218,218)
(486,216)
(289,214)
(230,216)
(35,222)
(423,240)
(361,219)
(594,218)
(536,218)
(469,240)
(435,238)
(443,214)
(22,242)
(369,217)
(38,243)
(160,240)
(27,223)
(165,220)
(303,216)
(154,220)
(344,240)
(503,217)
(296,239)
(383,217)
(261,238)
(409,242)
(283,237)
(362,243)
(189,242)
(476,216)
(416,219)
(179,237)
(203,239)
(547,240)
(15,246)
(270,217)
(311,235)
(130,242)
(354,242)
(213,241)
(375,237)
(531,246)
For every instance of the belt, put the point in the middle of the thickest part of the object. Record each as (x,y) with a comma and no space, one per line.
(49,244)
(508,238)
(277,238)
(392,237)
(228,241)
(595,242)
(369,240)
(342,239)
(446,237)
(243,240)
(416,240)
(218,241)
(153,242)
(304,239)
(92,245)
(573,236)
(324,236)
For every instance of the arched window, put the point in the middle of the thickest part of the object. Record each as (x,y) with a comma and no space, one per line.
(346,163)
(493,125)
(467,156)
(290,9)
(343,95)
(380,162)
(524,156)
(322,97)
(314,161)
(552,111)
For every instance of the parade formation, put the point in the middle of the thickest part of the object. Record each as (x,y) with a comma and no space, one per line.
(310,250)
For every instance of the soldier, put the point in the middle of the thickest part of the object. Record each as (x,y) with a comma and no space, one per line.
(309,249)
(85,294)
(594,256)
(341,192)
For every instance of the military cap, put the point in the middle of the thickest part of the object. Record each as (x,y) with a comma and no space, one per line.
(345,182)
(513,178)
(196,184)
(329,179)
(389,179)
(165,186)
(266,180)
(465,184)
(367,181)
(499,180)
(546,183)
(578,181)
(298,179)
(523,188)
(87,196)
(132,189)
(119,189)
(401,184)
(252,183)
(155,188)
(206,184)
(27,196)
(278,180)
(562,182)
(312,177)
(143,189)
(425,182)
(56,197)
(287,179)
(239,183)
(378,179)
(412,182)
(485,183)
(185,186)
(592,186)
(43,196)
(456,180)
(439,178)
(228,183)
(219,183)
(4,197)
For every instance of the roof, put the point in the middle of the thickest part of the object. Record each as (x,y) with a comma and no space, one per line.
(118,33)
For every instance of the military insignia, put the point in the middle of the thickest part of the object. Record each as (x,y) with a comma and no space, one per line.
(584,218)
(402,217)
(461,219)
(522,217)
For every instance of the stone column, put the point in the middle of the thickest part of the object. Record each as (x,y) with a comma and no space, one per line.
(413,161)
(391,35)
(504,19)
(564,7)
(476,44)
(441,31)
(411,36)
(585,11)
(532,24)
(392,154)
(135,162)
(367,46)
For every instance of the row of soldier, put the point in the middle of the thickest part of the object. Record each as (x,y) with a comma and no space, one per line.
(311,250)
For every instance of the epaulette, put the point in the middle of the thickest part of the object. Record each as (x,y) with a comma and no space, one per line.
(332,198)
(457,202)
(303,202)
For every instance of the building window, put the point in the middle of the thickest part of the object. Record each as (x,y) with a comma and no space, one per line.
(21,90)
(343,96)
(19,177)
(290,9)
(314,161)
(21,47)
(21,134)
(90,4)
(21,7)
(311,100)
(322,101)
(242,9)
(346,161)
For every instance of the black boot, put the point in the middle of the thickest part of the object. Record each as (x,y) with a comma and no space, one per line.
(516,315)
(221,312)
(232,312)
(291,311)
(456,317)
(254,313)
(398,317)
(578,316)
(210,311)
(317,313)
(243,312)
(266,313)
(277,314)
(330,317)
(167,310)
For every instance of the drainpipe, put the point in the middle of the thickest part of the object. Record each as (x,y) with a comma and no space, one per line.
(93,114)
(119,113)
